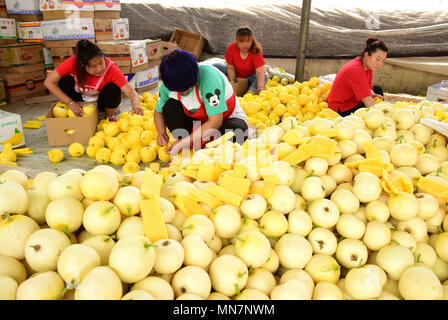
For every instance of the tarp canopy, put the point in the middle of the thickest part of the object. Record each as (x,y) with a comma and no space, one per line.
(338,28)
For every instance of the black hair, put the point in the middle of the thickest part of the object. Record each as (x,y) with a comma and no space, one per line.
(373,44)
(246,31)
(85,51)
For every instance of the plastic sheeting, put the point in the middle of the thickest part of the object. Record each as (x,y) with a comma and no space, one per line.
(338,28)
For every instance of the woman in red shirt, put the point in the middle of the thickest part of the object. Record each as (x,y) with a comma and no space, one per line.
(352,88)
(88,76)
(244,59)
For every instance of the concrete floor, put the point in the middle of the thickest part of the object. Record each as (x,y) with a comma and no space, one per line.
(36,139)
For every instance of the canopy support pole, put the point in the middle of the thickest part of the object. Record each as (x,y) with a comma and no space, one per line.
(303,36)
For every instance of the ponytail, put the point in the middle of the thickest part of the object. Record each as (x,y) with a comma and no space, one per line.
(373,44)
(85,51)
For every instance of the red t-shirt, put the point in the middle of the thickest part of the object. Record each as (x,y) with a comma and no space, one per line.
(114,74)
(243,67)
(351,85)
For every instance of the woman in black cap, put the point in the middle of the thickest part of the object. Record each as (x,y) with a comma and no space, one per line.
(88,76)
(196,103)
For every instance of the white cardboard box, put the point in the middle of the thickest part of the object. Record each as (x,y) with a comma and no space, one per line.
(111,29)
(107,5)
(69,5)
(10,126)
(147,77)
(139,55)
(29,31)
(438,92)
(22,6)
(120,29)
(8,29)
(48,58)
(131,79)
(68,29)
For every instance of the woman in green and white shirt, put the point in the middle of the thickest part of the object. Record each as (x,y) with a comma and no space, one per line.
(196,103)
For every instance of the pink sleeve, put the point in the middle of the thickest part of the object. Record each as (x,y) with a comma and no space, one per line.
(67,67)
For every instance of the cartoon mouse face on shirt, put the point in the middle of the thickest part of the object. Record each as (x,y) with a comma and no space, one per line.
(213,99)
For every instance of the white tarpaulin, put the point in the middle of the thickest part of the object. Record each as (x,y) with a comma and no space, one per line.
(338,28)
(438,65)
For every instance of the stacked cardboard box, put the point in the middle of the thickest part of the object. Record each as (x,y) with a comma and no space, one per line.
(24,10)
(109,30)
(8,31)
(132,59)
(23,70)
(67,9)
(3,11)
(64,24)
(107,9)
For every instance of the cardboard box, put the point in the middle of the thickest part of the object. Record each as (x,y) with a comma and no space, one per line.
(61,14)
(59,55)
(438,92)
(19,54)
(66,5)
(168,46)
(66,9)
(126,53)
(29,31)
(48,59)
(22,6)
(2,91)
(10,125)
(154,49)
(8,30)
(240,87)
(109,30)
(63,43)
(23,69)
(107,15)
(154,63)
(155,85)
(24,85)
(146,77)
(188,41)
(107,5)
(68,29)
(59,130)
(26,17)
(131,80)
(3,12)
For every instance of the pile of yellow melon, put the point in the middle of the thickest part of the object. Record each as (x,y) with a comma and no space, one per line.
(301,100)
(129,141)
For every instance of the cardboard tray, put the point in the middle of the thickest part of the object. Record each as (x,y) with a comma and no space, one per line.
(58,129)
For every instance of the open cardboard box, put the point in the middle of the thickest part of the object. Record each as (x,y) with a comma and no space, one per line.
(240,86)
(65,131)
(188,41)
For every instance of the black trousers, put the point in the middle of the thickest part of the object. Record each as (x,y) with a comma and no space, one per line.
(175,118)
(109,97)
(376,89)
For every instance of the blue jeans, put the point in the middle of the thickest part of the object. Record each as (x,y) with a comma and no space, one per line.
(252,78)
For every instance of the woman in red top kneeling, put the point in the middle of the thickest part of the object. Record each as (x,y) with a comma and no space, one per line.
(244,59)
(87,77)
(353,88)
